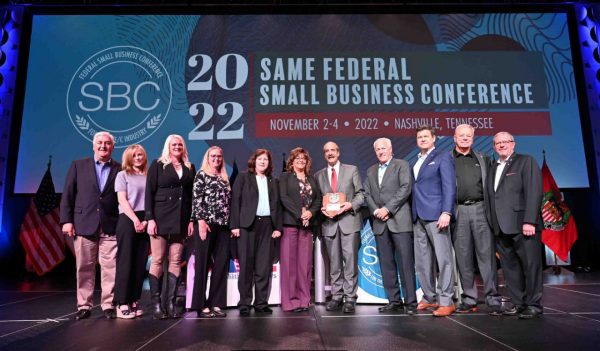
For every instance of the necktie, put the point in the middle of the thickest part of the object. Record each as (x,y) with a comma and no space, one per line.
(333,180)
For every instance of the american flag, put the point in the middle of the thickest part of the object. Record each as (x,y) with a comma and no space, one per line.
(40,234)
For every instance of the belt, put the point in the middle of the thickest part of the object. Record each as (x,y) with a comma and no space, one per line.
(470,202)
(262,217)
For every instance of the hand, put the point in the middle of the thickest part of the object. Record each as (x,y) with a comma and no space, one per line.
(276,234)
(443,221)
(381,213)
(346,206)
(528,229)
(306,215)
(203,228)
(152,229)
(68,229)
(190,230)
(386,218)
(305,222)
(324,212)
(235,233)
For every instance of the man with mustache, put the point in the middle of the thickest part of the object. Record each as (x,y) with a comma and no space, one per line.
(89,212)
(341,231)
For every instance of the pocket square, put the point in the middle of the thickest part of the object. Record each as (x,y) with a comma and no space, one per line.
(509,174)
(431,163)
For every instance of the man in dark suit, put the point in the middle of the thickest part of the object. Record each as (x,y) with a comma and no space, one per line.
(341,232)
(89,212)
(472,232)
(387,190)
(515,196)
(433,198)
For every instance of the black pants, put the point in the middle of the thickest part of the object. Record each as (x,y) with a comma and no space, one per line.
(396,255)
(255,253)
(213,251)
(521,261)
(132,255)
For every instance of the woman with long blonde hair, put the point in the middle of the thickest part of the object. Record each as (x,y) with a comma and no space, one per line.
(168,212)
(211,208)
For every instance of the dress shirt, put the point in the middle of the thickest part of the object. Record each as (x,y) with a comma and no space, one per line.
(420,159)
(337,171)
(499,170)
(381,171)
(263,196)
(102,172)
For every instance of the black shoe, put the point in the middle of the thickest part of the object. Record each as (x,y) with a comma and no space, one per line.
(513,311)
(244,311)
(202,314)
(333,305)
(265,309)
(411,309)
(82,314)
(349,307)
(110,313)
(466,308)
(392,307)
(530,313)
(495,310)
(219,313)
(173,310)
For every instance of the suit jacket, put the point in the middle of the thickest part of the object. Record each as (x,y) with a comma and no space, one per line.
(349,183)
(168,199)
(434,190)
(244,201)
(518,198)
(393,194)
(82,202)
(289,193)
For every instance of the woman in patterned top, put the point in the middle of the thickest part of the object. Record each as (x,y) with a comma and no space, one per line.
(301,200)
(211,208)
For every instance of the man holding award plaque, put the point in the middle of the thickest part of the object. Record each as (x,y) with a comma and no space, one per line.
(343,197)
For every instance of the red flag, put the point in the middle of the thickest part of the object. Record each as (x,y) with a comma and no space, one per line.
(40,234)
(560,231)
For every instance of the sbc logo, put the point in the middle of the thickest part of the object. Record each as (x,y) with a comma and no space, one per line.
(122,89)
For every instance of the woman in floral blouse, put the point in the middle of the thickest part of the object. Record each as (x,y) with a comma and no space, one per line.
(301,200)
(211,208)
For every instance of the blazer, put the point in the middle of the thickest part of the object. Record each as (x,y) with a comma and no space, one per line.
(518,198)
(83,204)
(434,190)
(393,194)
(168,199)
(289,193)
(244,201)
(350,184)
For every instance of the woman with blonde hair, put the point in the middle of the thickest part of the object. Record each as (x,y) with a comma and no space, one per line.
(211,208)
(168,212)
(132,240)
(301,200)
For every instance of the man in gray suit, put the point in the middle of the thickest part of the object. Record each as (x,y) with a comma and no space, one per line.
(472,232)
(341,231)
(387,190)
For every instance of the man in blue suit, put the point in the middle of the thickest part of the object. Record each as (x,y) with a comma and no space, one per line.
(433,198)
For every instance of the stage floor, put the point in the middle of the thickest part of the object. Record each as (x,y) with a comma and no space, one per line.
(38,315)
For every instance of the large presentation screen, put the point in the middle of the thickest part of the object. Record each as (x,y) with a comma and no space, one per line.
(281,80)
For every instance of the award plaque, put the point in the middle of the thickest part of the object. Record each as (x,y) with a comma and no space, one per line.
(333,203)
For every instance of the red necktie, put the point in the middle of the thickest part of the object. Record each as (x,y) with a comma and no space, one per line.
(333,180)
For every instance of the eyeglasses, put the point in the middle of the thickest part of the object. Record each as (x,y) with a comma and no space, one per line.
(215,156)
(504,142)
(300,158)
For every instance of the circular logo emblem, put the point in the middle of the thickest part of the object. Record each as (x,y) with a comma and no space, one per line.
(334,198)
(370,279)
(124,90)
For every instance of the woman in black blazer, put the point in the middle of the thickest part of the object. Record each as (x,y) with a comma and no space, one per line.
(255,221)
(168,208)
(301,200)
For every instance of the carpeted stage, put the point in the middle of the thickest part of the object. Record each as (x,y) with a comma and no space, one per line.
(38,315)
